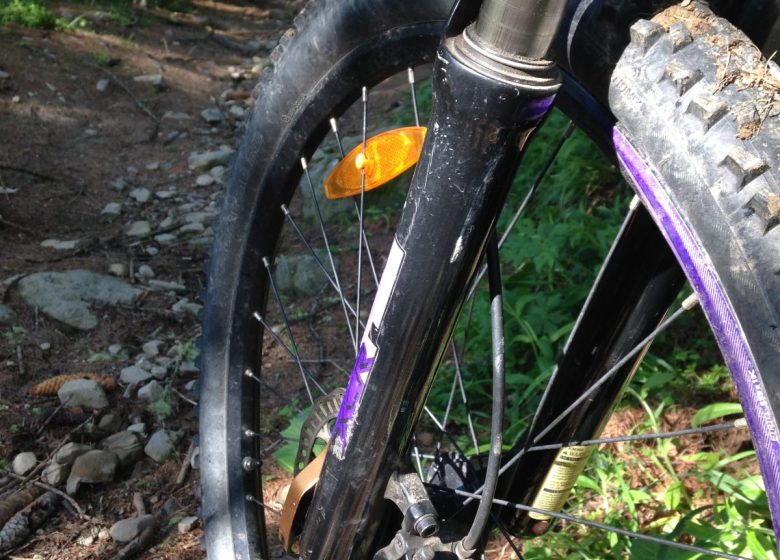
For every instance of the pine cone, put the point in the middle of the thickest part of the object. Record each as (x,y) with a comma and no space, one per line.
(50,386)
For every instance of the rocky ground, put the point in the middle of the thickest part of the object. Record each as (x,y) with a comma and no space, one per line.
(114,140)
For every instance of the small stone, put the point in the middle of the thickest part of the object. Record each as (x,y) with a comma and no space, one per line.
(83,392)
(112,209)
(134,375)
(165,238)
(132,170)
(145,271)
(114,349)
(85,540)
(159,372)
(165,194)
(56,474)
(204,180)
(24,463)
(90,132)
(164,361)
(163,286)
(60,245)
(125,445)
(184,305)
(205,218)
(212,115)
(110,422)
(191,385)
(176,115)
(186,524)
(140,195)
(151,251)
(217,172)
(4,75)
(151,392)
(119,184)
(45,346)
(139,229)
(160,445)
(153,165)
(102,84)
(16,99)
(207,160)
(7,315)
(155,80)
(127,529)
(139,428)
(237,111)
(151,349)
(194,227)
(69,452)
(94,466)
(118,269)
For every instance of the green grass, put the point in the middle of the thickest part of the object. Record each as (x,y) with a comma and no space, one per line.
(27,13)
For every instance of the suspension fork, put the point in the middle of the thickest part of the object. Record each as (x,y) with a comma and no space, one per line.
(491,88)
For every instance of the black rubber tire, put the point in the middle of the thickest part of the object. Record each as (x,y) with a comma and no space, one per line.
(359,43)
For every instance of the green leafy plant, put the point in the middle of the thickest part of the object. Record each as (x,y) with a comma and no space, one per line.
(27,13)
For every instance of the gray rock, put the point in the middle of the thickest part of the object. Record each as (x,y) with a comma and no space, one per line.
(212,115)
(193,227)
(7,315)
(300,275)
(155,80)
(161,445)
(134,375)
(114,349)
(186,524)
(60,245)
(110,422)
(127,529)
(151,251)
(153,165)
(102,84)
(188,367)
(205,218)
(112,209)
(166,194)
(152,391)
(159,372)
(56,474)
(118,269)
(92,467)
(237,111)
(176,115)
(24,463)
(217,172)
(64,295)
(139,428)
(140,195)
(184,305)
(204,180)
(152,348)
(69,452)
(145,271)
(207,160)
(4,75)
(83,392)
(125,445)
(165,238)
(164,286)
(45,346)
(119,184)
(138,229)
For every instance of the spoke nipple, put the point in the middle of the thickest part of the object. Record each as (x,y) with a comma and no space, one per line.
(250,433)
(258,317)
(690,302)
(333,126)
(249,373)
(266,263)
(285,210)
(411,75)
(635,202)
(303,163)
(250,464)
(365,94)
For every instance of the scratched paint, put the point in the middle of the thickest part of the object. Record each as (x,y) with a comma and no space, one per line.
(361,371)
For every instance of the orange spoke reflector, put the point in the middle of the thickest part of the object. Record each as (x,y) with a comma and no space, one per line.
(387,155)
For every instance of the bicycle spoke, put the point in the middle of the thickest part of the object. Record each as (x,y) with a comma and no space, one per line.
(734,425)
(410,77)
(360,220)
(251,374)
(327,245)
(600,526)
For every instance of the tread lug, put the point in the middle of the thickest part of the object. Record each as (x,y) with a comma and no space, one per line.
(744,166)
(766,205)
(707,110)
(682,78)
(645,33)
(680,36)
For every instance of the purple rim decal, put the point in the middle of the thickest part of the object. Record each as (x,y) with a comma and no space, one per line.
(721,316)
(351,400)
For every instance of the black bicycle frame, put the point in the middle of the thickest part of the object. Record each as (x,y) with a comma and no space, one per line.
(491,88)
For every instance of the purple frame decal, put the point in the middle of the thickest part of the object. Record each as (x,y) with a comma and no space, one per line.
(718,310)
(351,401)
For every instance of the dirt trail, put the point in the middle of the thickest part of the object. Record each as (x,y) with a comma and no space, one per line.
(98,127)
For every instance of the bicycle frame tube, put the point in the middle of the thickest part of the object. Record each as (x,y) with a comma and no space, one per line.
(483,112)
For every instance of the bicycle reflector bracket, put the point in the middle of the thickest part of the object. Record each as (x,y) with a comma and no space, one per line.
(386,156)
